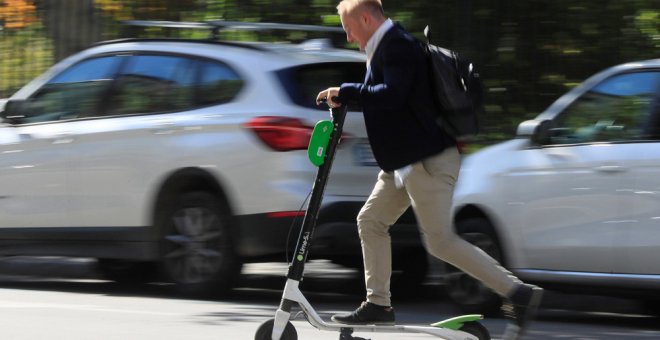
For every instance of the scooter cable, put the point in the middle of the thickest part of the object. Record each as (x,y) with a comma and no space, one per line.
(293,223)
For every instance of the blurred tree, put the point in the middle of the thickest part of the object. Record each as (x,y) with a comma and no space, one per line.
(74,24)
(17,13)
(71,24)
(147,10)
(23,51)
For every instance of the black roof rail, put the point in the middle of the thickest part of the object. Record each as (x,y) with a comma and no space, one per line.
(223,43)
(219,25)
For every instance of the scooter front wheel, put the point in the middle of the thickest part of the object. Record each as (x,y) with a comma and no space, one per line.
(265,331)
(476,329)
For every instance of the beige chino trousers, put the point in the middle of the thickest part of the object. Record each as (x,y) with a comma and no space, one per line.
(429,189)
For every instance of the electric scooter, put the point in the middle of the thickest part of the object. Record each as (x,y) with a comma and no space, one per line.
(321,151)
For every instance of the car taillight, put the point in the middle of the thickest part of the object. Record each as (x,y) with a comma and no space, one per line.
(281,133)
(460,145)
(285,214)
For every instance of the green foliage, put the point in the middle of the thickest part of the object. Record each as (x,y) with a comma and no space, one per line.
(24,54)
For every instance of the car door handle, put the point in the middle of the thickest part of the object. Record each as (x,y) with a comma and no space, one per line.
(163,127)
(163,131)
(611,169)
(63,140)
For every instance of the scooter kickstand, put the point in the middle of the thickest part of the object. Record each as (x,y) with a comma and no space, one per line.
(346,334)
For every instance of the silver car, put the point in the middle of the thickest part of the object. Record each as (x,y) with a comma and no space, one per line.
(572,203)
(183,155)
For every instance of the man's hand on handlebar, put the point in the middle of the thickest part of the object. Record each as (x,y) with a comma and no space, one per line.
(328,96)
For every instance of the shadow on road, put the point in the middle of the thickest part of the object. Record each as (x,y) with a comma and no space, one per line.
(323,284)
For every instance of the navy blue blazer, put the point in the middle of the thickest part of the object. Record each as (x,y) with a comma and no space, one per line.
(394,97)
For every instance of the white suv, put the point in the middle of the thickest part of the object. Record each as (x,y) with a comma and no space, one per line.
(574,201)
(186,153)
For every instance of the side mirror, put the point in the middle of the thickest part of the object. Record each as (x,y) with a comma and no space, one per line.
(15,110)
(543,133)
(538,131)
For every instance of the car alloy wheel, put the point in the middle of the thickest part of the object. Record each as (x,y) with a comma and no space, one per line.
(470,294)
(197,250)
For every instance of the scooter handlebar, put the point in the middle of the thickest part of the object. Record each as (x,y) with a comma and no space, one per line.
(325,100)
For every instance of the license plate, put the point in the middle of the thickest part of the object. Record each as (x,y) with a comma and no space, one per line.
(362,154)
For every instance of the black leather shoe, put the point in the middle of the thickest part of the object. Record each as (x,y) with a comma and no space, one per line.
(521,310)
(367,314)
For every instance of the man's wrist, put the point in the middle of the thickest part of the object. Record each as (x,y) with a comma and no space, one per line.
(349,92)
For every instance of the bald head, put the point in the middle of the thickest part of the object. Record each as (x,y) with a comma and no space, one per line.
(360,19)
(351,7)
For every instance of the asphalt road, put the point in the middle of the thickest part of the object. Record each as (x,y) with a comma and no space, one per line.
(51,298)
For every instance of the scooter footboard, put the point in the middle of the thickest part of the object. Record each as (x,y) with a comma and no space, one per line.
(293,293)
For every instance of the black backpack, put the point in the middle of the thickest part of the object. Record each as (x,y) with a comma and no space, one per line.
(457,90)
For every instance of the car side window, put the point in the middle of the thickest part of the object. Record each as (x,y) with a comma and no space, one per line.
(217,84)
(153,83)
(302,83)
(618,109)
(74,93)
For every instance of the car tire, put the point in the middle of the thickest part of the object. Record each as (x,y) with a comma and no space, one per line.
(409,270)
(197,251)
(470,294)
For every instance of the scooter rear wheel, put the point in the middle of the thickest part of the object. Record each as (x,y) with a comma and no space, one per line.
(265,331)
(476,329)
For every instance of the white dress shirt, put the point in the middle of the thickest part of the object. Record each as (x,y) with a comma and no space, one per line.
(375,39)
